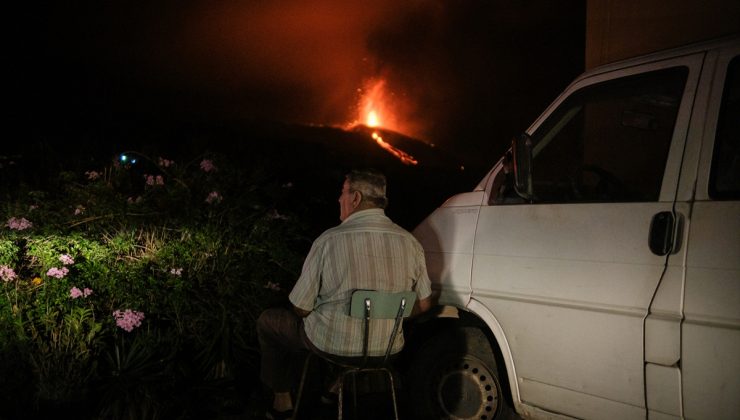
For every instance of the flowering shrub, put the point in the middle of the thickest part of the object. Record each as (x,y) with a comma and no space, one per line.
(200,249)
(128,320)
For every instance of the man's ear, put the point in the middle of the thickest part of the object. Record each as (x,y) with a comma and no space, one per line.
(356,198)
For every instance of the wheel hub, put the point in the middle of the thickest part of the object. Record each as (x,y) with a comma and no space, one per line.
(467,389)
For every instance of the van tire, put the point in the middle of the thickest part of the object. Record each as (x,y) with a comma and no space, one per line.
(454,363)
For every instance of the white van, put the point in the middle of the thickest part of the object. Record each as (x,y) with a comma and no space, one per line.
(595,271)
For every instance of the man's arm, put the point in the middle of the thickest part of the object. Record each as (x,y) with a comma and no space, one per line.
(306,289)
(300,312)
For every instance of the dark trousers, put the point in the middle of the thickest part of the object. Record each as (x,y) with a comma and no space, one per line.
(281,337)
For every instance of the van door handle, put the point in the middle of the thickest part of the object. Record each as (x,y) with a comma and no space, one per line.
(662,228)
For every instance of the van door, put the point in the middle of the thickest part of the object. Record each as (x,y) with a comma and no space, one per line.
(570,276)
(711,329)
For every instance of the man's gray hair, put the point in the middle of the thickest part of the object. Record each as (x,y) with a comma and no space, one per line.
(371,184)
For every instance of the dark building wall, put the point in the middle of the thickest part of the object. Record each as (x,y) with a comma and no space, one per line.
(618,29)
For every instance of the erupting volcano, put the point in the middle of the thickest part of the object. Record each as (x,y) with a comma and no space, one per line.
(375,113)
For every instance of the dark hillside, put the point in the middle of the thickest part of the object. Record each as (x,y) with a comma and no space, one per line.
(309,160)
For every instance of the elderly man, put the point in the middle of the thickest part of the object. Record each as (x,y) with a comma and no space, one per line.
(366,251)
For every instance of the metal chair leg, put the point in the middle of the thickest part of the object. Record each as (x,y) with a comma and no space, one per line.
(340,397)
(393,392)
(299,394)
(354,394)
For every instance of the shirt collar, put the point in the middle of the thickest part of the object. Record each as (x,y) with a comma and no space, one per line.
(364,213)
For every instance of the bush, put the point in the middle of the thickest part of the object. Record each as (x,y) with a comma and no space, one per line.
(132,288)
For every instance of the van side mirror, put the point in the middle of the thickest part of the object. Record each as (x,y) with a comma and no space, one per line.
(521,148)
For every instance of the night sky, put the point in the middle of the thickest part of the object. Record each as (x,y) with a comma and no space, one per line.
(464,75)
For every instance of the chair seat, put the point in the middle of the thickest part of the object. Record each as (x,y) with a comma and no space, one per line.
(359,362)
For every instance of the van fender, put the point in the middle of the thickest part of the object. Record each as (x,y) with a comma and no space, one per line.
(485,315)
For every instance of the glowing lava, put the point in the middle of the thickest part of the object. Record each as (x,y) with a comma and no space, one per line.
(375,112)
(400,154)
(372,119)
(375,106)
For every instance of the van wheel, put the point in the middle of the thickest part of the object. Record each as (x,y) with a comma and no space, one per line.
(454,376)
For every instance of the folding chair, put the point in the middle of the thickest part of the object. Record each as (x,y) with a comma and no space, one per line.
(368,305)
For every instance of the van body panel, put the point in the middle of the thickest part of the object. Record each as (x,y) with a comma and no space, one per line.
(561,400)
(581,275)
(452,271)
(663,386)
(447,235)
(663,340)
(711,329)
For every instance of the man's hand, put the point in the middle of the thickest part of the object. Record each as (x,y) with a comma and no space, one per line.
(421,306)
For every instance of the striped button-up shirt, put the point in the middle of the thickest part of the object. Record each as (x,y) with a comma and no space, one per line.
(366,251)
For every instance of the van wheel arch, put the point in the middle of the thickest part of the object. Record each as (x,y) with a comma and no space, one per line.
(455,370)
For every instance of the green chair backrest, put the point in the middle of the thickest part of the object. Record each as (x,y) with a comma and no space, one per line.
(375,304)
(384,305)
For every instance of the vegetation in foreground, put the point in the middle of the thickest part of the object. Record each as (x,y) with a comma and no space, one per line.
(130,286)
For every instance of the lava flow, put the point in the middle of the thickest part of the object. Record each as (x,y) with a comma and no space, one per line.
(400,154)
(375,112)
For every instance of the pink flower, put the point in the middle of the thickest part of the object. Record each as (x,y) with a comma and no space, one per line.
(154,180)
(92,175)
(19,224)
(66,259)
(272,286)
(165,163)
(207,166)
(57,272)
(7,273)
(74,293)
(80,209)
(132,200)
(128,319)
(176,272)
(214,198)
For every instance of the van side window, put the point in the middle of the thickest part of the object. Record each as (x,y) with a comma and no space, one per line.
(724,179)
(609,142)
